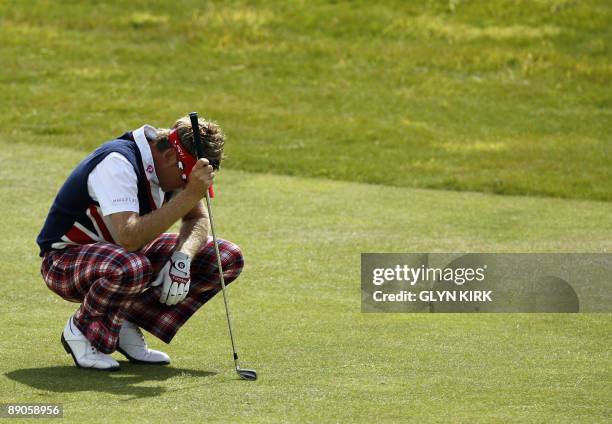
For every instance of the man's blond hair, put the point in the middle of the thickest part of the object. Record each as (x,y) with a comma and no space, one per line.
(213,139)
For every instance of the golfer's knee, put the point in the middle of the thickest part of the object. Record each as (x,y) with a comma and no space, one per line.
(233,261)
(135,270)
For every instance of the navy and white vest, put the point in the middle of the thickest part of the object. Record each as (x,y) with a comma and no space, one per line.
(75,218)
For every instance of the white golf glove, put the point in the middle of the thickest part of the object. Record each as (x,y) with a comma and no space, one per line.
(175,278)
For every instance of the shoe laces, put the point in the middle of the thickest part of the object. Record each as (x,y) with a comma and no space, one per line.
(137,329)
(141,335)
(142,338)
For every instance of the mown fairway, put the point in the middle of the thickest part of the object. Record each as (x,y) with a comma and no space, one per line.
(297,313)
(510,97)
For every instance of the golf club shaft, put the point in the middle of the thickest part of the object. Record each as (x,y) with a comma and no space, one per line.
(221,279)
(244,374)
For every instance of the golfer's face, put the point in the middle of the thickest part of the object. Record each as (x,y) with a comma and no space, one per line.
(179,176)
(170,175)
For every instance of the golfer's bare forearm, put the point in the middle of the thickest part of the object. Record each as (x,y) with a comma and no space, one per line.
(192,235)
(134,232)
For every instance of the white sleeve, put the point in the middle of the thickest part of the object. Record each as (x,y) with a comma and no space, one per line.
(114,185)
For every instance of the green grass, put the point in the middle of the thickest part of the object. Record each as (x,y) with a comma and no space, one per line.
(510,97)
(341,118)
(297,312)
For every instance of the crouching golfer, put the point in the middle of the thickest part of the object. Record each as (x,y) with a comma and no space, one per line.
(104,244)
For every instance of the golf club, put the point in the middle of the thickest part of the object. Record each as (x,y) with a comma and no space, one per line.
(244,374)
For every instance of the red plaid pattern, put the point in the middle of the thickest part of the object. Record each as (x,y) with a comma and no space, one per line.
(112,285)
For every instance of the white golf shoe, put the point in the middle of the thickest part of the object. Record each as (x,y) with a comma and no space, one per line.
(83,353)
(133,346)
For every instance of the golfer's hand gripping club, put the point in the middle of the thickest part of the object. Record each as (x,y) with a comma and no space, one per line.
(200,178)
(174,278)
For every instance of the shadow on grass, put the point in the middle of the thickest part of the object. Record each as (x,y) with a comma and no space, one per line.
(127,381)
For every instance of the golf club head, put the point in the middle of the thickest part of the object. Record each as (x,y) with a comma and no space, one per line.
(245,374)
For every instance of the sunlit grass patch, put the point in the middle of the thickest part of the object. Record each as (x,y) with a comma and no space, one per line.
(436,26)
(17,31)
(147,20)
(474,146)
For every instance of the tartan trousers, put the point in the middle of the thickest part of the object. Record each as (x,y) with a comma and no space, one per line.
(112,285)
